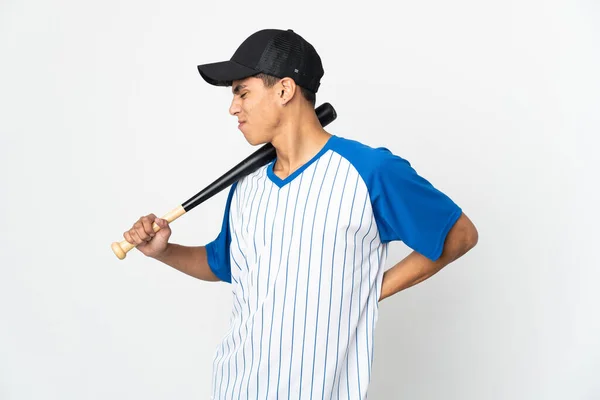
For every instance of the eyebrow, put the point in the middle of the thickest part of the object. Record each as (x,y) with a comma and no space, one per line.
(237,88)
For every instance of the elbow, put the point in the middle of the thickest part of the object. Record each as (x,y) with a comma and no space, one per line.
(463,244)
(463,237)
(467,231)
(471,238)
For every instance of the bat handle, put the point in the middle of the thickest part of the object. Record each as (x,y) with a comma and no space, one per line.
(122,248)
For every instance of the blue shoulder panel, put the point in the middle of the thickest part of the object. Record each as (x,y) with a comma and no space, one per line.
(407,207)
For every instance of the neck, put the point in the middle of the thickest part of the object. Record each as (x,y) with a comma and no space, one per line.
(299,138)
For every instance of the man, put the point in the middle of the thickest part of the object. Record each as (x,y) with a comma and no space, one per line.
(304,239)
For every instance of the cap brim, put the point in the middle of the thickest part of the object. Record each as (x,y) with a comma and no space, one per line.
(224,72)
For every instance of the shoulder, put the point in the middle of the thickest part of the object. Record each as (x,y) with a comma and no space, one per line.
(368,160)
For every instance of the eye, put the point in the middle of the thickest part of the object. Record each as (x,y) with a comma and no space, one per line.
(244,95)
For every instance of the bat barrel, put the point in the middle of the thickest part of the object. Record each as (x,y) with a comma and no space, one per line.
(326,114)
(253,162)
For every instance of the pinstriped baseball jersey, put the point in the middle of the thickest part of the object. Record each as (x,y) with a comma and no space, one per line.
(305,257)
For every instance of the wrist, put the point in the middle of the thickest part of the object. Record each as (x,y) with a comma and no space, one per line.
(163,255)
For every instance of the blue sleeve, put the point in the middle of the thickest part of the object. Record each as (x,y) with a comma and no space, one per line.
(409,208)
(217,251)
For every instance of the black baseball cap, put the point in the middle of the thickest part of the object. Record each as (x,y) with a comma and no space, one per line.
(280,53)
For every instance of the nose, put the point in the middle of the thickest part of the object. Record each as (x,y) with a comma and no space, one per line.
(234,108)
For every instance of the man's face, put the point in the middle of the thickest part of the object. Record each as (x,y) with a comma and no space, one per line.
(257,109)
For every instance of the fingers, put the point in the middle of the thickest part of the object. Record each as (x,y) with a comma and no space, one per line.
(147,227)
(128,237)
(162,223)
(142,231)
(132,237)
(137,239)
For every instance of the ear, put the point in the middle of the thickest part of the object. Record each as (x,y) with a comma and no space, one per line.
(286,90)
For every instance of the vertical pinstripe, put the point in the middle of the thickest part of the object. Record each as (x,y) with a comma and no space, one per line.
(307,286)
(285,287)
(306,269)
(342,296)
(297,276)
(317,313)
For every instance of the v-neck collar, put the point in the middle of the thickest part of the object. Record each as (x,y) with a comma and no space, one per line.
(282,182)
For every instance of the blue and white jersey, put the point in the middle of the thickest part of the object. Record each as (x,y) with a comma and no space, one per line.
(305,257)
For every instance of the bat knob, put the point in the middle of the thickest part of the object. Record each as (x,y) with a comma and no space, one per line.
(119,252)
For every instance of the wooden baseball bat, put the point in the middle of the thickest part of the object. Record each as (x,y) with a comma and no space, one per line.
(326,114)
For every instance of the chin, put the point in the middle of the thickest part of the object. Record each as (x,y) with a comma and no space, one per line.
(254,141)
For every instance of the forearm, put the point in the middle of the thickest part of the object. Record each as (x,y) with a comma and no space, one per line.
(416,268)
(192,261)
(413,269)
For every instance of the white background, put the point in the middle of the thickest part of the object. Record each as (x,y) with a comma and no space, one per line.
(104,118)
